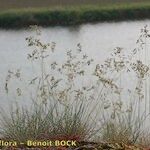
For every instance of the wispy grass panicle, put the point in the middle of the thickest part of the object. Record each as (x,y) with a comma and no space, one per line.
(64,107)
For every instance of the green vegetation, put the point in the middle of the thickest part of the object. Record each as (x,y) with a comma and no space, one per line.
(73,14)
(15,4)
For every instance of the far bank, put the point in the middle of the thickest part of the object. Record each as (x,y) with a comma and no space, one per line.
(68,16)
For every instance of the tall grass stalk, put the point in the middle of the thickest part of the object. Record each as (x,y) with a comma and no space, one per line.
(64,108)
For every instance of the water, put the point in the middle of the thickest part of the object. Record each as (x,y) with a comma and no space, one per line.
(97,40)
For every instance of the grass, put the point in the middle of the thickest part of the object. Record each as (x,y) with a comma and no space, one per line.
(58,112)
(38,123)
(73,113)
(125,128)
(73,14)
